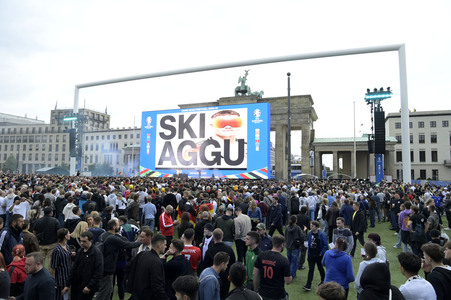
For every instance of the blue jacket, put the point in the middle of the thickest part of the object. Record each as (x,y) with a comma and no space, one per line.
(338,267)
(323,242)
(8,239)
(346,213)
(209,288)
(275,215)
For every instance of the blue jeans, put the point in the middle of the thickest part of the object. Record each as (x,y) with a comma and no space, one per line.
(311,213)
(150,223)
(293,258)
(372,217)
(393,219)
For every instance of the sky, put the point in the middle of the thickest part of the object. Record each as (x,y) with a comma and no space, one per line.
(48,47)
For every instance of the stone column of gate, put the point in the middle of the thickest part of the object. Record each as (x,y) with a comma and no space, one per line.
(281,167)
(305,149)
(352,165)
(335,162)
(318,165)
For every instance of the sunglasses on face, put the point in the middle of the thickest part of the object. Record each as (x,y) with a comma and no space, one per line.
(223,121)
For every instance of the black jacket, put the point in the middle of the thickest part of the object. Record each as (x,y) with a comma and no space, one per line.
(111,250)
(87,269)
(46,228)
(359,223)
(242,293)
(148,279)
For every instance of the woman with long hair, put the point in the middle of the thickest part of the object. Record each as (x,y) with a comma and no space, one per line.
(339,265)
(294,241)
(61,261)
(331,218)
(184,224)
(74,241)
(254,213)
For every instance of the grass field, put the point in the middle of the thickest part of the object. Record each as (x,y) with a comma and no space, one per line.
(388,239)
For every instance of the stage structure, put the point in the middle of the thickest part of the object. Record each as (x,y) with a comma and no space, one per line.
(219,141)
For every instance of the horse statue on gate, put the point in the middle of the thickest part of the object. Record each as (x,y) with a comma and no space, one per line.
(243,89)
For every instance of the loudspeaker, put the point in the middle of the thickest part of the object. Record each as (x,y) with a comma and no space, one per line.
(379,132)
(370,146)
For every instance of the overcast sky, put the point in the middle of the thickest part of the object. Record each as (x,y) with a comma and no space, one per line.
(47,47)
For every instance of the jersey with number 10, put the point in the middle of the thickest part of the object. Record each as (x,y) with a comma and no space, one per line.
(273,268)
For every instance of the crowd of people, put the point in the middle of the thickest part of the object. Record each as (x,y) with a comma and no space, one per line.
(177,238)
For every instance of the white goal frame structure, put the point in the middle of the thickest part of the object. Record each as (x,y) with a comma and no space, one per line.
(400,48)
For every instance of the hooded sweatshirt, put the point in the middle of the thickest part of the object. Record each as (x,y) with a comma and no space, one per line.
(338,267)
(376,285)
(402,216)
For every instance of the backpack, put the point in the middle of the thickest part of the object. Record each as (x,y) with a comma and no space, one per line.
(101,243)
(406,220)
(295,205)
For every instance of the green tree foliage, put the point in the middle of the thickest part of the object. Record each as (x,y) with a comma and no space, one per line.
(10,164)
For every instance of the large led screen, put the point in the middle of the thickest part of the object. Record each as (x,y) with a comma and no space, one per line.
(221,141)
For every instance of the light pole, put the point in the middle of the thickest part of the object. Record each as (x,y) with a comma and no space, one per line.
(289,132)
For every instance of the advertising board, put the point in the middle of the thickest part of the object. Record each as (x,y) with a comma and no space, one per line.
(222,141)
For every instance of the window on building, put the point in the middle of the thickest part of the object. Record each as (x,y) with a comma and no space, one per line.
(31,139)
(131,135)
(12,139)
(421,139)
(24,148)
(119,136)
(11,147)
(37,147)
(64,147)
(410,125)
(50,148)
(38,139)
(56,156)
(398,156)
(97,147)
(435,174)
(399,139)
(411,139)
(422,156)
(114,136)
(63,157)
(57,138)
(87,138)
(50,138)
(433,138)
(433,124)
(36,156)
(57,148)
(43,157)
(103,137)
(44,139)
(108,137)
(412,174)
(125,136)
(422,174)
(137,135)
(411,156)
(86,147)
(434,156)
(23,156)
(445,123)
(92,147)
(97,138)
(64,138)
(397,125)
(29,156)
(30,147)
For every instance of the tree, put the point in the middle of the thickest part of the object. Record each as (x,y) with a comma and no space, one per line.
(10,164)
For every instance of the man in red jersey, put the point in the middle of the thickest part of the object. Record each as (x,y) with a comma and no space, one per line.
(192,253)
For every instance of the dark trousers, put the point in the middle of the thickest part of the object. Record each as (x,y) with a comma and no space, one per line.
(416,248)
(356,238)
(312,261)
(240,249)
(302,257)
(273,228)
(119,277)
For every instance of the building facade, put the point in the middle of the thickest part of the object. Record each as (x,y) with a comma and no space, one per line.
(35,144)
(430,144)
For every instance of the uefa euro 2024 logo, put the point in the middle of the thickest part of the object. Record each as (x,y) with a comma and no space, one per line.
(148,122)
